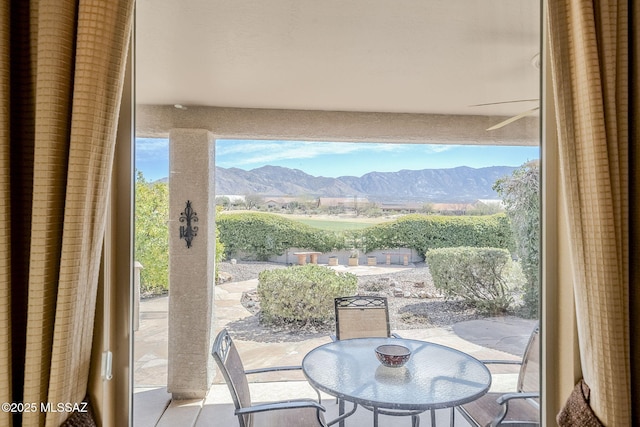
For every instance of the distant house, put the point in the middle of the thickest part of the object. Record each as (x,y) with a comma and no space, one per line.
(279,202)
(345,202)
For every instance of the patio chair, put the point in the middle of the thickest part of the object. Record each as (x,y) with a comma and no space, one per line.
(298,412)
(520,408)
(362,316)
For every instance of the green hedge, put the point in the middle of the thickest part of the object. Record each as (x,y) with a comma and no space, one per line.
(477,275)
(263,235)
(424,232)
(302,293)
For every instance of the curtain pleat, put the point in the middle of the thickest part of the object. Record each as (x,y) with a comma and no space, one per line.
(54,71)
(5,217)
(589,60)
(22,35)
(102,42)
(62,86)
(634,164)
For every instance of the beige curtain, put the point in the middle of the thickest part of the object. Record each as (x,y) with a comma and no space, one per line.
(590,52)
(635,210)
(62,72)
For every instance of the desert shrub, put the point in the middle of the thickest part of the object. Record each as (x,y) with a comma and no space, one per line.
(263,235)
(424,232)
(303,293)
(477,275)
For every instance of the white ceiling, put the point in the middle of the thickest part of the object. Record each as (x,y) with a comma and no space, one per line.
(408,56)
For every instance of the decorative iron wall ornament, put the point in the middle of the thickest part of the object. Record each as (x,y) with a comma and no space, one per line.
(188,232)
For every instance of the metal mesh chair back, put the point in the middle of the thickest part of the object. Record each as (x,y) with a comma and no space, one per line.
(529,377)
(361,317)
(228,360)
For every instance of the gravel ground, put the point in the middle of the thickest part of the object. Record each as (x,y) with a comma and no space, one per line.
(413,301)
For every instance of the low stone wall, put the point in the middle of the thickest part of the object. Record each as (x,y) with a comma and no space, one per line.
(343,256)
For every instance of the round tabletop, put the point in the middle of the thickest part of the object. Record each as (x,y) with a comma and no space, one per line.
(435,376)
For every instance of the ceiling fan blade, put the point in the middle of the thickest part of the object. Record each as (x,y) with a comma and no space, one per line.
(504,102)
(513,119)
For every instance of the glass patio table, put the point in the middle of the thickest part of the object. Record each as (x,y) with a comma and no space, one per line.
(435,377)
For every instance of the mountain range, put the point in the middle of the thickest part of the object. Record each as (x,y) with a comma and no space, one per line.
(460,184)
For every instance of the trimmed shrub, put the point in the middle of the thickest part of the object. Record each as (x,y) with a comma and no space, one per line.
(424,232)
(477,275)
(263,235)
(303,293)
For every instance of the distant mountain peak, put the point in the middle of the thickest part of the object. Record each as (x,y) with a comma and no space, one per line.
(458,184)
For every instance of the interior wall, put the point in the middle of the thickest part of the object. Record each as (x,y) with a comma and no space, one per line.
(112,398)
(95,385)
(560,352)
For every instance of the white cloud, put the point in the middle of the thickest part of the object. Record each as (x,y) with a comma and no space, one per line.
(438,148)
(259,152)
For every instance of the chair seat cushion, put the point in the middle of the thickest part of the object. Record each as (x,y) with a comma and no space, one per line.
(485,409)
(306,417)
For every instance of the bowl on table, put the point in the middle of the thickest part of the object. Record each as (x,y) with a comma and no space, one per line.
(393,355)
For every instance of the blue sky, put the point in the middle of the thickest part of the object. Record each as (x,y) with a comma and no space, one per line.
(333,159)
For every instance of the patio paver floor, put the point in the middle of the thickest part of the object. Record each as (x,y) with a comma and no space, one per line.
(150,360)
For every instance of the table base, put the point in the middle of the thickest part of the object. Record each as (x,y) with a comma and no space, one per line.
(342,415)
(415,415)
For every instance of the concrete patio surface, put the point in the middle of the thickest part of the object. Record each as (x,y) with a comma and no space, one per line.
(492,338)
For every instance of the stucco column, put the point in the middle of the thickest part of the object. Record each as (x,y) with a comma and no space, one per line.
(191,262)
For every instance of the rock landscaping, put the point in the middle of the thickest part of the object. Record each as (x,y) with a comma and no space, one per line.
(414,302)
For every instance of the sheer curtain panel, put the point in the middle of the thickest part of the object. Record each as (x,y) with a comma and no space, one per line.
(590,51)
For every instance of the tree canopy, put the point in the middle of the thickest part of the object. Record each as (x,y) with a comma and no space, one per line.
(520,193)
